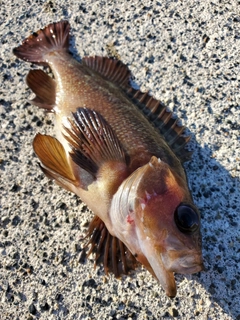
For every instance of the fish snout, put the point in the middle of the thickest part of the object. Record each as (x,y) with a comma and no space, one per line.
(183,262)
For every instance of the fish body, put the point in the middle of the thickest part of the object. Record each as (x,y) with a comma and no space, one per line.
(108,152)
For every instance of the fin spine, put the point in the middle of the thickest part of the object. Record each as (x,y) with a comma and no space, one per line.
(108,250)
(162,119)
(111,69)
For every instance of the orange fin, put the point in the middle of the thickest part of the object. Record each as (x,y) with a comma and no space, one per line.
(44,87)
(53,37)
(156,112)
(92,141)
(111,69)
(54,160)
(109,250)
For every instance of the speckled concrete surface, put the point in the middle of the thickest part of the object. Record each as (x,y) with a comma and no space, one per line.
(187,53)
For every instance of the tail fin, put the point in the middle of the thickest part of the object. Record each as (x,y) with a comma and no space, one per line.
(52,38)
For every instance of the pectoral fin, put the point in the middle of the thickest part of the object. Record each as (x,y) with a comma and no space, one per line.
(54,160)
(96,149)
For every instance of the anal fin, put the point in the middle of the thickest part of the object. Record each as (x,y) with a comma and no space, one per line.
(54,160)
(44,87)
(109,250)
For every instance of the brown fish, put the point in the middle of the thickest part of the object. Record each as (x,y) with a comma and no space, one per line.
(122,153)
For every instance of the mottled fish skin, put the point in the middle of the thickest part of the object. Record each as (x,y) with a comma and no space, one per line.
(109,154)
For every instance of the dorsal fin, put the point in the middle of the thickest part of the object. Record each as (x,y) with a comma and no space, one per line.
(111,69)
(157,113)
(109,250)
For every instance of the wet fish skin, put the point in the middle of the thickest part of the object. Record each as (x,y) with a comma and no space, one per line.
(106,149)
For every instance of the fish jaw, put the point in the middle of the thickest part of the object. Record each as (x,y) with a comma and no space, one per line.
(163,263)
(156,266)
(184,262)
(146,204)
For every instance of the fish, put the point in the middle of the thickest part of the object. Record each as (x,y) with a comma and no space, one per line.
(122,152)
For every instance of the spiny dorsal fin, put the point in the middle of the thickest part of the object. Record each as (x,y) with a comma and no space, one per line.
(92,141)
(109,250)
(53,37)
(112,69)
(118,73)
(44,87)
(54,160)
(156,112)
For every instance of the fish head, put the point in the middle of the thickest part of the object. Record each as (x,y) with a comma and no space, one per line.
(166,223)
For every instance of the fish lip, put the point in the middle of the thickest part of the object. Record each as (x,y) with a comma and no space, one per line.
(183,262)
(189,270)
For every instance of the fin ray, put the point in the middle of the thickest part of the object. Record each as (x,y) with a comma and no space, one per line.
(44,88)
(162,119)
(156,112)
(92,141)
(112,69)
(109,250)
(53,158)
(53,37)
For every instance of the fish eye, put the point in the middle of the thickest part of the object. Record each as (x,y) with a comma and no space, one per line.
(186,219)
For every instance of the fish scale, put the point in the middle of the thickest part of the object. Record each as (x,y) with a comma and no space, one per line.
(121,152)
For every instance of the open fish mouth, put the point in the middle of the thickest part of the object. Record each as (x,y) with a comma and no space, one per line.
(157,267)
(182,260)
(164,276)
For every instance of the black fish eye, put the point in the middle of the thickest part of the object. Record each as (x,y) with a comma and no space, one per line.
(186,219)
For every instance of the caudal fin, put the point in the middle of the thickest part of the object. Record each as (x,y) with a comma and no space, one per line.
(52,38)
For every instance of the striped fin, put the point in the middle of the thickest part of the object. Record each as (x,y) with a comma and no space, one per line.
(155,111)
(108,250)
(93,142)
(53,37)
(162,119)
(111,69)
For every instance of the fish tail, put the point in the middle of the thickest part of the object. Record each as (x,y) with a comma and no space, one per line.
(53,37)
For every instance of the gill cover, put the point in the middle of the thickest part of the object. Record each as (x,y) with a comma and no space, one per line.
(153,214)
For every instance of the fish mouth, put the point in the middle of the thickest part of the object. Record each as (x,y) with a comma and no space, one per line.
(164,268)
(184,262)
(165,264)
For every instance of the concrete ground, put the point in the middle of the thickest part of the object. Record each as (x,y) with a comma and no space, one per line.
(187,54)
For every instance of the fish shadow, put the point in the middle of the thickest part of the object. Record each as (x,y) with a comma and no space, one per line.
(216,193)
